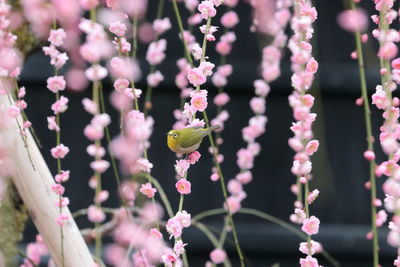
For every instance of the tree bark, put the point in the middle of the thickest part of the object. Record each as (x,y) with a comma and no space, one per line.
(33,181)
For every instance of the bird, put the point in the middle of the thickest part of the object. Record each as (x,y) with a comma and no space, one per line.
(187,140)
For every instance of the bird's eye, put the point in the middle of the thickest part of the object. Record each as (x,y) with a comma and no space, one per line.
(175,135)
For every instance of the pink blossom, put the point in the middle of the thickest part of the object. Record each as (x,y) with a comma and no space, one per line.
(76,80)
(312,147)
(96,151)
(156,52)
(257,104)
(183,186)
(388,51)
(13,111)
(206,8)
(57,37)
(379,98)
(194,19)
(312,195)
(206,67)
(57,189)
(223,48)
(214,177)
(218,256)
(301,168)
(315,247)
(62,177)
(230,19)
(181,167)
(310,225)
(262,88)
(234,187)
(62,202)
(121,84)
(221,99)
(396,63)
(179,247)
(62,219)
(312,65)
(93,132)
(96,73)
(245,159)
(113,4)
(148,190)
(56,83)
(154,79)
(244,177)
(309,262)
(199,102)
(217,3)
(353,20)
(101,196)
(89,4)
(219,80)
(11,60)
(90,52)
(100,166)
(51,124)
(161,25)
(174,227)
(298,216)
(90,106)
(59,152)
(96,214)
(169,259)
(233,203)
(118,28)
(144,165)
(154,232)
(184,218)
(397,262)
(193,157)
(196,77)
(369,155)
(381,218)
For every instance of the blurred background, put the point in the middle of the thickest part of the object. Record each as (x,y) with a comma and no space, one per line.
(339,168)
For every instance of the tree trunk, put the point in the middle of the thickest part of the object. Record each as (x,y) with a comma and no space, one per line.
(33,181)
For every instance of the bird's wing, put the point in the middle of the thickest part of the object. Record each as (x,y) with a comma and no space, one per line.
(195,136)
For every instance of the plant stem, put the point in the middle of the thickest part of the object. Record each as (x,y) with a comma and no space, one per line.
(149,90)
(180,25)
(268,218)
(212,238)
(224,192)
(108,137)
(188,57)
(368,128)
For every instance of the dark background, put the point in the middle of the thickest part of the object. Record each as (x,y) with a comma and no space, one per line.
(339,168)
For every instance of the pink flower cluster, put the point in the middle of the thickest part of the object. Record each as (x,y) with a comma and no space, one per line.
(156,51)
(14,111)
(147,242)
(256,127)
(304,66)
(129,146)
(34,252)
(56,84)
(11,63)
(389,136)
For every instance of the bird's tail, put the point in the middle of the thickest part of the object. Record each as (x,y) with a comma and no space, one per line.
(215,127)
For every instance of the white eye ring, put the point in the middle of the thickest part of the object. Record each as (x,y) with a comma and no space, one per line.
(175,135)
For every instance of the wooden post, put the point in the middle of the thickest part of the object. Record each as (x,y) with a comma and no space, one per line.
(33,182)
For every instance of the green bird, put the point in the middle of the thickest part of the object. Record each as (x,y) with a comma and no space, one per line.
(187,140)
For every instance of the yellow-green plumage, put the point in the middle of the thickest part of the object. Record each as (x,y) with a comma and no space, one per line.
(187,140)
